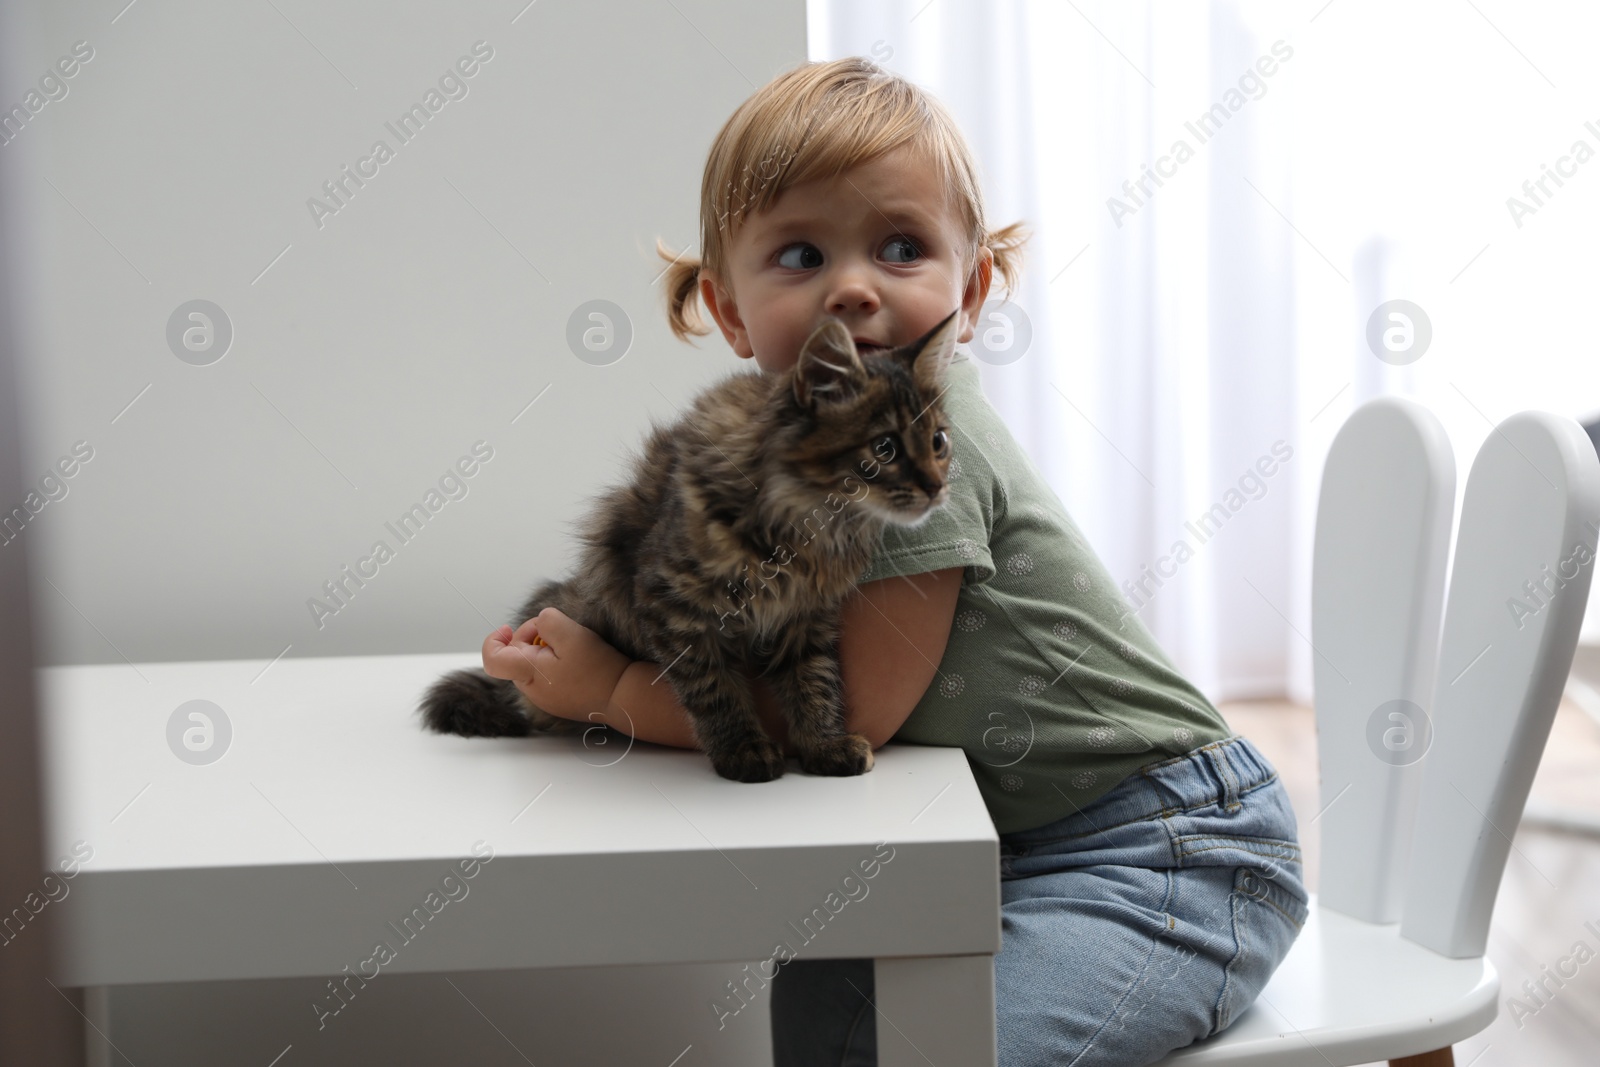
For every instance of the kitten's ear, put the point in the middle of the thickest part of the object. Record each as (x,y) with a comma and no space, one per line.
(931,354)
(829,368)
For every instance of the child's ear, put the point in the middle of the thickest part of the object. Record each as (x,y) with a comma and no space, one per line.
(719,302)
(931,354)
(828,370)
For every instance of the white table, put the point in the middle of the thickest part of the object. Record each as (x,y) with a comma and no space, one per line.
(331,815)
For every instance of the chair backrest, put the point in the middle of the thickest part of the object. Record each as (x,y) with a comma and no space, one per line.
(1377,591)
(1525,551)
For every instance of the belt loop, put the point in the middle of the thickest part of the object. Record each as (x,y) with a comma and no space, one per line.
(1224,770)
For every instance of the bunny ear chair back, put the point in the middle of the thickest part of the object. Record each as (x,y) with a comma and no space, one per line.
(1432,712)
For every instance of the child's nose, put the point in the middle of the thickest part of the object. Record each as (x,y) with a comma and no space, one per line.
(852,290)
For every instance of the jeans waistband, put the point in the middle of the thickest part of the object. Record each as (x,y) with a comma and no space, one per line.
(1218,773)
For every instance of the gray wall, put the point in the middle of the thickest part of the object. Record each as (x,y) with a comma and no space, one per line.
(365,360)
(371,347)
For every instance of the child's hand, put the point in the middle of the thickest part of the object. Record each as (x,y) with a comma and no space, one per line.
(561,666)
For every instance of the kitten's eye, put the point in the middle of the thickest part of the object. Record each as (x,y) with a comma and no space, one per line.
(941,443)
(800,256)
(904,243)
(886,447)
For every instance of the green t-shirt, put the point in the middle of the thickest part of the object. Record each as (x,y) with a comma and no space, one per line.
(1052,686)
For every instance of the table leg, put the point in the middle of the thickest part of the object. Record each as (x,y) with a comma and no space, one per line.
(935,1009)
(1438,1058)
(97,1049)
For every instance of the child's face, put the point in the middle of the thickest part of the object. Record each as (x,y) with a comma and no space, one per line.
(877,246)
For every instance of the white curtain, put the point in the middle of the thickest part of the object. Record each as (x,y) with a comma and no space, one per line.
(1315,161)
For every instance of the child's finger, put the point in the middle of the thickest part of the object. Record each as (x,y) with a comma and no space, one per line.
(528,633)
(503,661)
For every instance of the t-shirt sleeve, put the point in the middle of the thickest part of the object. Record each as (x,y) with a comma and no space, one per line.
(955,535)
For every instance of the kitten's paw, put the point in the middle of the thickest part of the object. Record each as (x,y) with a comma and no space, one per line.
(840,756)
(757,761)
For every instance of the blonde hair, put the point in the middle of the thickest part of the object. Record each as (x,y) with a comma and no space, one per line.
(817,121)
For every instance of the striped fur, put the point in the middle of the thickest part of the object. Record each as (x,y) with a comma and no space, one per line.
(733,545)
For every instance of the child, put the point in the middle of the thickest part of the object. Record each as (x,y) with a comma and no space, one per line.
(1150,876)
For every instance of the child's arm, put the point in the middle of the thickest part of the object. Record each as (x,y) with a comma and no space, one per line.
(569,671)
(892,635)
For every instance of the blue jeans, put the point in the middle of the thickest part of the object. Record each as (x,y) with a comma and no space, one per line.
(1146,921)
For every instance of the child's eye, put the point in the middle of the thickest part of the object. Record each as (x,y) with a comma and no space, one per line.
(905,243)
(800,256)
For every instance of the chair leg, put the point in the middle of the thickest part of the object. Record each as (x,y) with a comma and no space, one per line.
(1437,1058)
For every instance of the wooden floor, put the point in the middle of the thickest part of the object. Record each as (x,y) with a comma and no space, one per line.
(1550,889)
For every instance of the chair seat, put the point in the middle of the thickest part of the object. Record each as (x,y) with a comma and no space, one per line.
(1354,992)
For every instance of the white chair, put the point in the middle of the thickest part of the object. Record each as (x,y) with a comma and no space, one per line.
(1416,815)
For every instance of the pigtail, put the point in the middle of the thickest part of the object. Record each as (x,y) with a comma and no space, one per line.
(1006,244)
(681,281)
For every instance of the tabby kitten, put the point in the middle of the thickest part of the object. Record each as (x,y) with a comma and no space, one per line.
(745,525)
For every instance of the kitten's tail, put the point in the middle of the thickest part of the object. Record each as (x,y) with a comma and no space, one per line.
(472,704)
